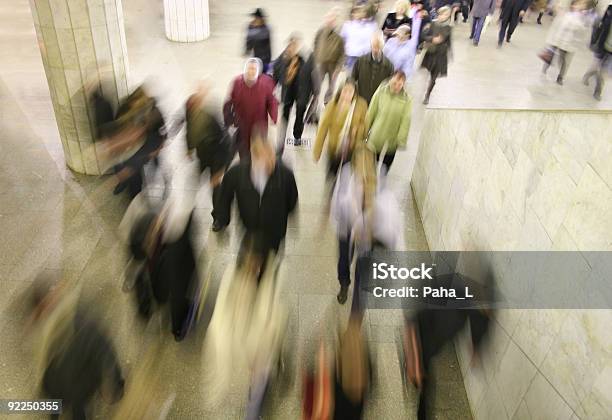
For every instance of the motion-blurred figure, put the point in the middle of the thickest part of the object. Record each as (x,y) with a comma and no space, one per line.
(357,33)
(601,44)
(104,114)
(251,100)
(206,136)
(436,57)
(342,128)
(396,19)
(430,329)
(258,39)
(145,392)
(511,12)
(372,68)
(540,7)
(247,332)
(338,388)
(141,136)
(266,193)
(160,238)
(77,357)
(329,52)
(402,48)
(480,11)
(388,119)
(568,35)
(353,373)
(295,78)
(351,202)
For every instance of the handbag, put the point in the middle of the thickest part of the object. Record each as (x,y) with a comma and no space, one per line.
(412,349)
(547,55)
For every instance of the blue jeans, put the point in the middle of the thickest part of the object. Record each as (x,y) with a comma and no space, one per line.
(477,25)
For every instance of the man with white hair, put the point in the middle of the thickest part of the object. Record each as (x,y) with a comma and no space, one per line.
(372,68)
(329,51)
(250,102)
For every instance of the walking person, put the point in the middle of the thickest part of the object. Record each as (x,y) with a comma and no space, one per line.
(258,39)
(388,118)
(342,127)
(251,101)
(436,57)
(567,36)
(351,205)
(371,69)
(286,72)
(540,6)
(206,136)
(308,93)
(396,19)
(511,12)
(402,48)
(329,52)
(357,33)
(266,193)
(601,44)
(480,11)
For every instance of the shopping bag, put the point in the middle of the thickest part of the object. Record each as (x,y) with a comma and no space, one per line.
(485,25)
(547,55)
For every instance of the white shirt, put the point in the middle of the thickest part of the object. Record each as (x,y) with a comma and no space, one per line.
(259,177)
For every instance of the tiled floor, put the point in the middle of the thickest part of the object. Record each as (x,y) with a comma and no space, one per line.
(52,219)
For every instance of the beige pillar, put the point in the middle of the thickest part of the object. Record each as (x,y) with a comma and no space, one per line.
(186,20)
(81,41)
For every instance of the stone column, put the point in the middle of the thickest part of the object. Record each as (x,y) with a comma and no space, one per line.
(82,42)
(186,20)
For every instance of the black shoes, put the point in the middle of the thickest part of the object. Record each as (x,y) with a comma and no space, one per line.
(217,226)
(560,81)
(342,295)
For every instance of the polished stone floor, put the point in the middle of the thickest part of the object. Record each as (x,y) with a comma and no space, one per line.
(52,219)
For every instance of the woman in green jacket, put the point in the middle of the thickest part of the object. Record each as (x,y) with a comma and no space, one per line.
(388,118)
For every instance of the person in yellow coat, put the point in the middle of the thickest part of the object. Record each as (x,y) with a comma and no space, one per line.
(342,127)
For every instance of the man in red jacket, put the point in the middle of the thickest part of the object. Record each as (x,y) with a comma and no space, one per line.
(250,102)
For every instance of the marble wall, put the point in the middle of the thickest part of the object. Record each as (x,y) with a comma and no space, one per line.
(525,180)
(82,43)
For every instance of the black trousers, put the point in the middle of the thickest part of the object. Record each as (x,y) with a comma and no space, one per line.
(345,255)
(507,27)
(291,97)
(388,159)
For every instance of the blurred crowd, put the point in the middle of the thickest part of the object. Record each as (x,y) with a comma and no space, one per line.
(362,119)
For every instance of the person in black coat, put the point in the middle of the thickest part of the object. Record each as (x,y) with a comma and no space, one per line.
(142,110)
(310,83)
(288,72)
(437,323)
(258,39)
(395,19)
(162,240)
(205,134)
(266,194)
(78,355)
(436,57)
(511,12)
(600,44)
(103,113)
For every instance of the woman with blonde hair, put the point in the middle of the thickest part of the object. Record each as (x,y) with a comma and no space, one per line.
(397,18)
